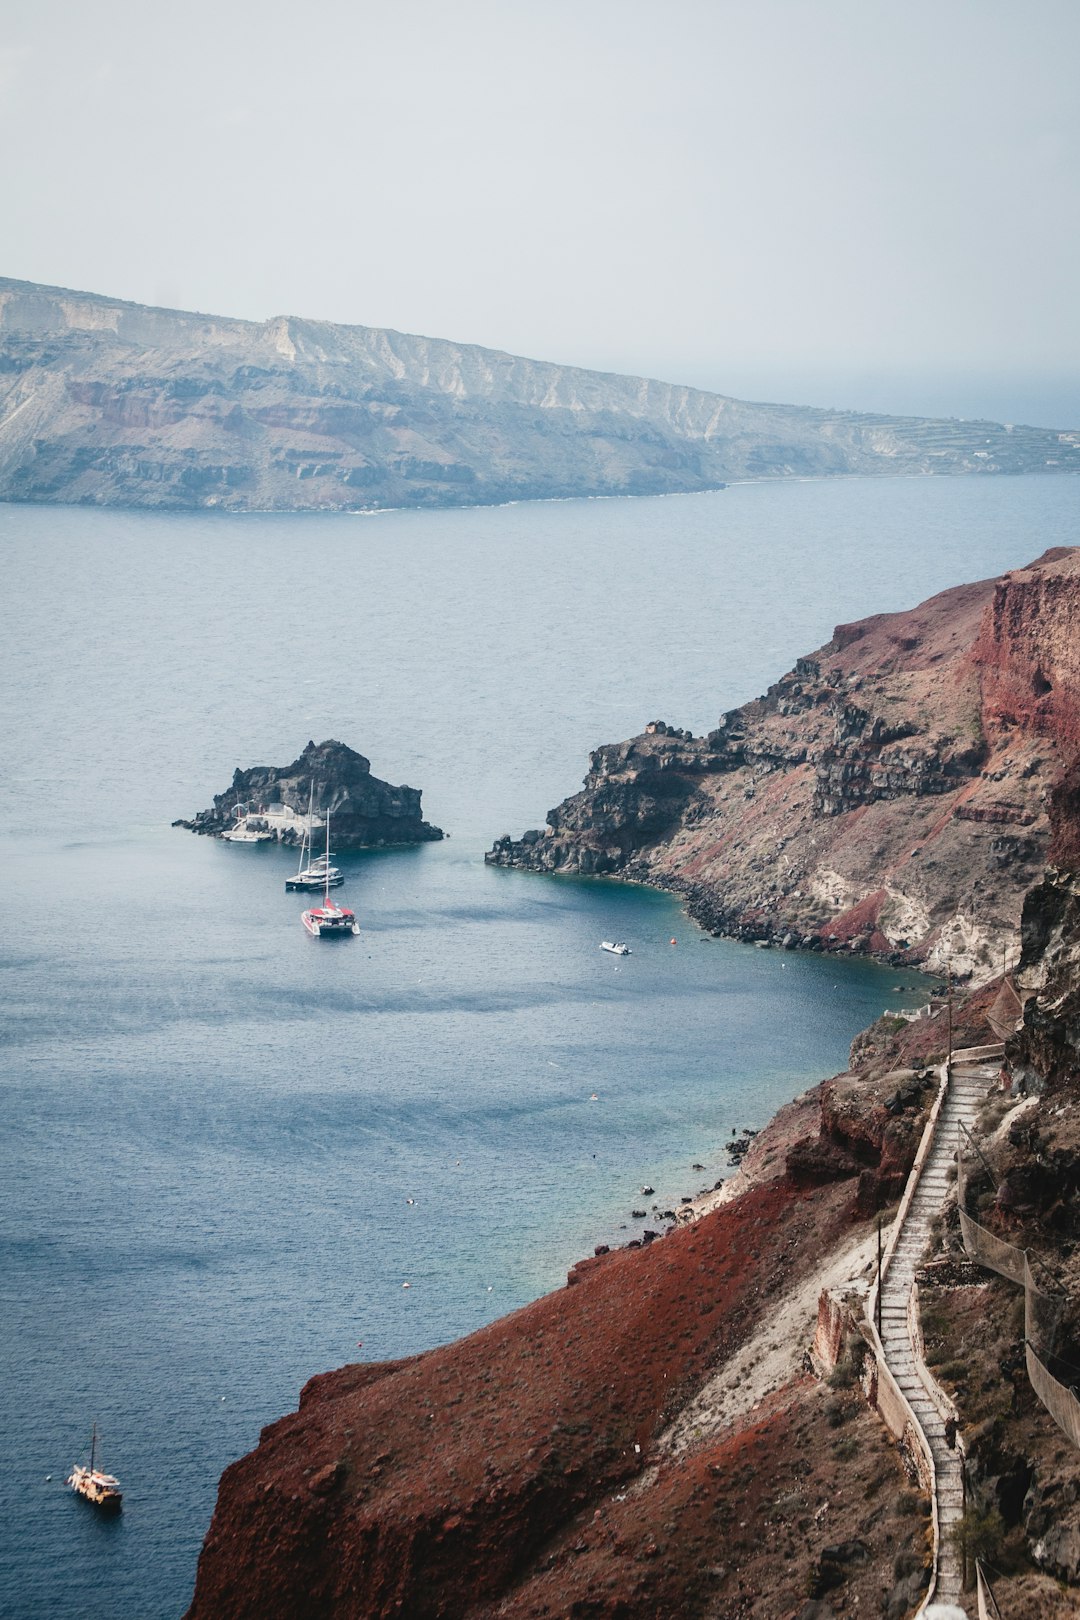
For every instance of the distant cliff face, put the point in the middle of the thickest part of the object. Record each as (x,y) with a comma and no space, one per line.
(888,794)
(114,403)
(363,810)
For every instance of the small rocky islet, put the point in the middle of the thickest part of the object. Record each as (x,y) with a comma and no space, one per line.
(365,813)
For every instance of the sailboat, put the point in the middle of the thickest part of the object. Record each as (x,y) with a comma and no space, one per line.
(327,921)
(318,872)
(102,1490)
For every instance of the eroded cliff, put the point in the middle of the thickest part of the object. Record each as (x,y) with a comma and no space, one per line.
(886,795)
(107,402)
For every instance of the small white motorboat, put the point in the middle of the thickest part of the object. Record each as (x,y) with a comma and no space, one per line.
(615,946)
(248,828)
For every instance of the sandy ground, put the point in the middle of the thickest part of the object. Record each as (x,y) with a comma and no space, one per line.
(775,1354)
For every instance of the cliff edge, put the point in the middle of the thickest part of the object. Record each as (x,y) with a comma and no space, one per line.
(887,795)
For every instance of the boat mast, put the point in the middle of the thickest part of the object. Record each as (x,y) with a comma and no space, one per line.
(326,879)
(305,836)
(93,1446)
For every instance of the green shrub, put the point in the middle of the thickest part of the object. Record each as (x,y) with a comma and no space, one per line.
(979,1533)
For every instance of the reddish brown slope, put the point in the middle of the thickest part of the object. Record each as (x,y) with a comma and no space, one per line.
(888,794)
(437,1486)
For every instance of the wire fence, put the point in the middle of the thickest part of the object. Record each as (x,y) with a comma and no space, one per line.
(1043,1311)
(988,1607)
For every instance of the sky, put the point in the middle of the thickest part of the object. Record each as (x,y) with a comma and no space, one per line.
(837,202)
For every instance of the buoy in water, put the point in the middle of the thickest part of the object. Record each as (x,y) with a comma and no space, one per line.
(674,941)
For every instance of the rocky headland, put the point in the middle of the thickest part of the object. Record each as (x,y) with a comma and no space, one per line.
(651,1441)
(104,402)
(888,795)
(364,812)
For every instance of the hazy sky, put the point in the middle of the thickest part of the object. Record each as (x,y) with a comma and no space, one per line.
(870,202)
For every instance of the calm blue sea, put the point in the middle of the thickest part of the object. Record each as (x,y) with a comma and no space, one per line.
(211,1126)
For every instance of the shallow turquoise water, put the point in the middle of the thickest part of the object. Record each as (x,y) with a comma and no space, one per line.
(210,1124)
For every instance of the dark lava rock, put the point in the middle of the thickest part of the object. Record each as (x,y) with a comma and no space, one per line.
(815,1160)
(363,810)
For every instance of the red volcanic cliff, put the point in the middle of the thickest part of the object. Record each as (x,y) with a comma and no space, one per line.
(887,795)
(1028,650)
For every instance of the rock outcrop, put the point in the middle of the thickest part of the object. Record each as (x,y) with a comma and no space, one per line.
(887,795)
(106,402)
(364,812)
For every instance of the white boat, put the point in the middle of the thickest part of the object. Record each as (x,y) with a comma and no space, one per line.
(328,921)
(101,1490)
(317,873)
(246,829)
(615,946)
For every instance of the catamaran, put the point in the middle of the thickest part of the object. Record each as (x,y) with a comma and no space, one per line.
(327,921)
(102,1490)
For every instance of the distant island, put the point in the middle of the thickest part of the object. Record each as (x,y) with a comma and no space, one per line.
(109,403)
(333,780)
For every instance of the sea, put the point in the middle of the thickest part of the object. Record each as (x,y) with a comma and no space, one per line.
(233,1157)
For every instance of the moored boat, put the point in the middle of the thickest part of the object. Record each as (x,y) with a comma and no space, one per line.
(615,946)
(248,828)
(328,921)
(100,1490)
(313,872)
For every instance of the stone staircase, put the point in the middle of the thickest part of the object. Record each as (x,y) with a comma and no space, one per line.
(971,1080)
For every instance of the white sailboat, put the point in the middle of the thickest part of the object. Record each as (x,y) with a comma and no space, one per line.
(101,1490)
(314,872)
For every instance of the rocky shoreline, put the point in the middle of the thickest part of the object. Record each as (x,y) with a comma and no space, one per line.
(887,796)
